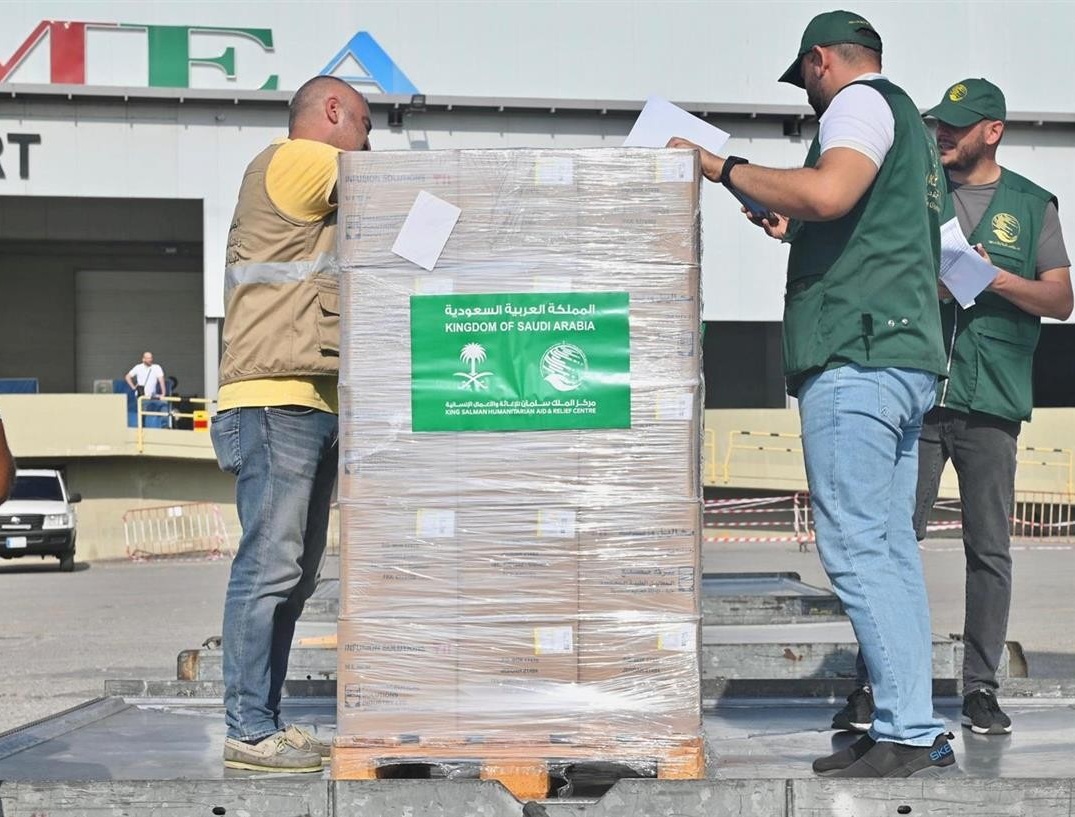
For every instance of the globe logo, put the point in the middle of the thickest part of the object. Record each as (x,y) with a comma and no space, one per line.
(564,366)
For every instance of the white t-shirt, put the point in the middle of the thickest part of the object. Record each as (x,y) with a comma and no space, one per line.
(859,118)
(149,377)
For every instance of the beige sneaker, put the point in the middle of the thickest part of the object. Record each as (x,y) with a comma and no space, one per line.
(307,741)
(274,754)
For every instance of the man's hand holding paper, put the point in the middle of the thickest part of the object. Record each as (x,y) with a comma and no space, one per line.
(965,271)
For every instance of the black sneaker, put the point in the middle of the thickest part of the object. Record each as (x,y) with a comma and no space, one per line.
(983,715)
(901,760)
(845,757)
(857,715)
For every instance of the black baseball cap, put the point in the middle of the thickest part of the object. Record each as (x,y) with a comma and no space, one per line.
(970,101)
(831,28)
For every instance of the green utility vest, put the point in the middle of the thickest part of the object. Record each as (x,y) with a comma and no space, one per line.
(863,288)
(991,344)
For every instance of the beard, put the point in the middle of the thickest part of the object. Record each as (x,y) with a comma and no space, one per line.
(816,98)
(817,102)
(967,154)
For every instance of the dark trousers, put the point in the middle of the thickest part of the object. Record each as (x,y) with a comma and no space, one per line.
(983,449)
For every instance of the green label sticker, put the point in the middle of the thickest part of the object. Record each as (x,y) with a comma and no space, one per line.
(520,362)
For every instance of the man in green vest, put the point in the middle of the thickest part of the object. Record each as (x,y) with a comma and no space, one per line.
(989,356)
(862,352)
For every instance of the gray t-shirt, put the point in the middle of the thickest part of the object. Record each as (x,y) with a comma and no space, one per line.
(971,202)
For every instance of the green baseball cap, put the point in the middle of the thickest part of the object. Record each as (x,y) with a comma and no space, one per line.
(831,28)
(970,101)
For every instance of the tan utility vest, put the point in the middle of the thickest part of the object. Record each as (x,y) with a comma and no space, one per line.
(281,289)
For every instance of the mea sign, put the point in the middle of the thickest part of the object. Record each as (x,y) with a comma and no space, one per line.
(23,140)
(170,58)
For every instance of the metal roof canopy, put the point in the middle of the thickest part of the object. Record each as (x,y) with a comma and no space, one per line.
(448,104)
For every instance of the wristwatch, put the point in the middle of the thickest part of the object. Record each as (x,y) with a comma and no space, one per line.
(729,163)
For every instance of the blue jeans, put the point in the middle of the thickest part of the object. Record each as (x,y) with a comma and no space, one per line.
(284,461)
(860,442)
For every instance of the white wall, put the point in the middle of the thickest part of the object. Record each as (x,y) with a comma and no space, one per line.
(198,151)
(690,50)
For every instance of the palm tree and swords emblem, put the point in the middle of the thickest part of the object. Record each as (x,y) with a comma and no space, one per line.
(473,353)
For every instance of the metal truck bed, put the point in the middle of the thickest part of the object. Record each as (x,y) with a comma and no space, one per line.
(137,756)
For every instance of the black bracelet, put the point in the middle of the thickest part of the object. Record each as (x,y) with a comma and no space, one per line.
(729,163)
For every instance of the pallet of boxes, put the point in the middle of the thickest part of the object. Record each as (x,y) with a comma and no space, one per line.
(520,432)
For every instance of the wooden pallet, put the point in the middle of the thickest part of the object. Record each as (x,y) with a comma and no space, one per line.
(522,768)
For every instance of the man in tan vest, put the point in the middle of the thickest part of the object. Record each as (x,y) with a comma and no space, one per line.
(276,426)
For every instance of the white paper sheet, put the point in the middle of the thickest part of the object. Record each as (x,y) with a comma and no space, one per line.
(963,271)
(426,230)
(660,120)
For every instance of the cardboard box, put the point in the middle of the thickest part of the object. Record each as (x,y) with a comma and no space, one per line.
(379,462)
(642,559)
(650,463)
(642,677)
(517,679)
(375,198)
(399,562)
(397,679)
(655,218)
(432,562)
(519,558)
(608,204)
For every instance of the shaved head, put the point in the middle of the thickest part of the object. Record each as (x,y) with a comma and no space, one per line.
(327,109)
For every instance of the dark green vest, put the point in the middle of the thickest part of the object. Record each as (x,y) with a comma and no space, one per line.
(863,288)
(991,344)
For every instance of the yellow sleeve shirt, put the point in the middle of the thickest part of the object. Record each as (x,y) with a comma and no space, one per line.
(301,182)
(301,179)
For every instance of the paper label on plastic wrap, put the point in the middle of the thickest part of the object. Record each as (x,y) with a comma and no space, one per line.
(553,641)
(551,284)
(678,637)
(556,523)
(677,406)
(675,168)
(554,170)
(434,285)
(436,524)
(685,344)
(520,361)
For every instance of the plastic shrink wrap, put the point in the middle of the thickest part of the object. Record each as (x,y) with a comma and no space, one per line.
(520,494)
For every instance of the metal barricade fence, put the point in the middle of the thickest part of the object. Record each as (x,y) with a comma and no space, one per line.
(709,457)
(1044,517)
(1037,517)
(199,417)
(194,529)
(765,441)
(782,518)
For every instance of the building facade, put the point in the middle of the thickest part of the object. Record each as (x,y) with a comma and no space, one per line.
(124,131)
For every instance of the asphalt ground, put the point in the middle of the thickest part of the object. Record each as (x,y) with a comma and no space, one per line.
(62,635)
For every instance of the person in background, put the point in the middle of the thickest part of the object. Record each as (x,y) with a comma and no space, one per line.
(988,394)
(146,378)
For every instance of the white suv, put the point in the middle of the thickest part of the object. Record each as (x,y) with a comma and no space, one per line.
(38,518)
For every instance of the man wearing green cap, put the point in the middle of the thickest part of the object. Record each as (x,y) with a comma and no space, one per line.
(862,352)
(988,393)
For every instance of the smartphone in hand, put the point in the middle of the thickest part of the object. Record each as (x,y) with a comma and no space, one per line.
(758,212)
